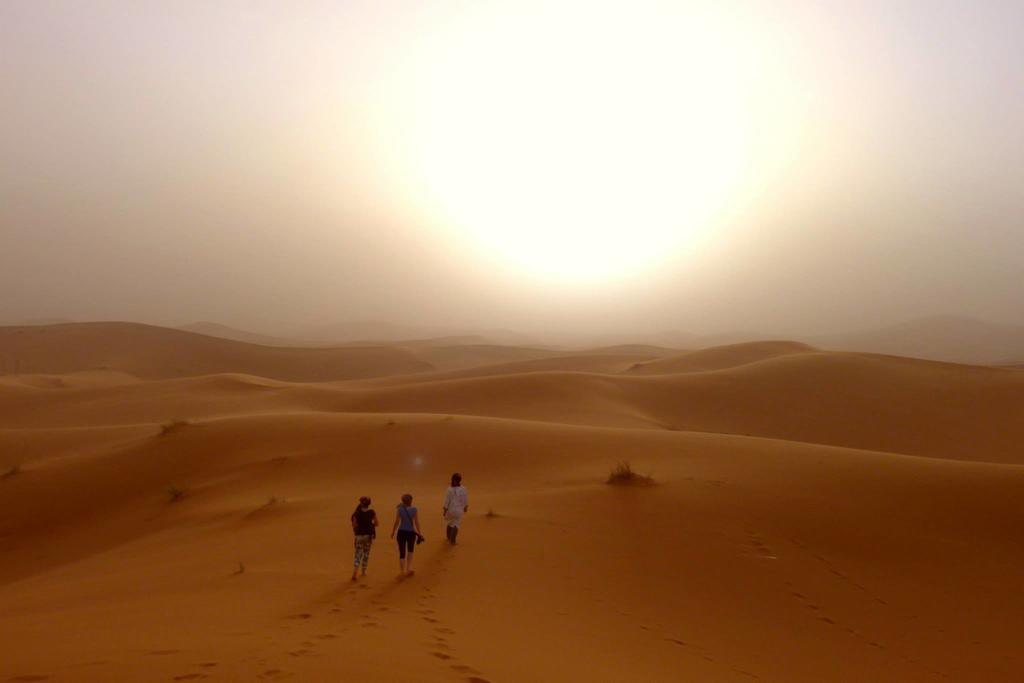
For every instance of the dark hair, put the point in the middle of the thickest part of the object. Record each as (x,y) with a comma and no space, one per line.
(364,502)
(456,479)
(407,498)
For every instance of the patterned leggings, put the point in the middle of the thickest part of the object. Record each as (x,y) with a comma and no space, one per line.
(362,552)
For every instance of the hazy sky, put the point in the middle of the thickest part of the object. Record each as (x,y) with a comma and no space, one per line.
(787,167)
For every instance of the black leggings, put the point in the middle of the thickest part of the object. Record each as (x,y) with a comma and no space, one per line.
(406,541)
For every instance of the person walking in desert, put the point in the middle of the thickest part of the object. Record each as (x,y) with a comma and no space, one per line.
(456,503)
(364,524)
(407,524)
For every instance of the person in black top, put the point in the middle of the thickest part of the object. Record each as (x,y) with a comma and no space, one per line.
(364,522)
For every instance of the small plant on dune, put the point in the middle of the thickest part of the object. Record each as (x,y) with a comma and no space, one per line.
(175,493)
(623,474)
(173,426)
(14,471)
(241,568)
(272,501)
(491,514)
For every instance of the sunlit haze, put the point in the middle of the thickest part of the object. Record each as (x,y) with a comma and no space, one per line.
(576,140)
(640,340)
(549,167)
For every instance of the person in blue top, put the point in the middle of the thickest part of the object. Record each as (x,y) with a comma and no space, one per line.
(407,524)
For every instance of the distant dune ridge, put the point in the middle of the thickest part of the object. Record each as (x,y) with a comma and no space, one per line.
(382,331)
(721,357)
(234,334)
(150,352)
(775,389)
(173,506)
(954,339)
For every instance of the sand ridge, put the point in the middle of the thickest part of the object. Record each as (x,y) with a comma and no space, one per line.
(150,352)
(195,528)
(721,357)
(837,398)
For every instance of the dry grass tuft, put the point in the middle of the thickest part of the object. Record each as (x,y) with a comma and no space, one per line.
(623,474)
(14,471)
(175,493)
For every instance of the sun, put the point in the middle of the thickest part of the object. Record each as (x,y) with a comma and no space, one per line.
(574,142)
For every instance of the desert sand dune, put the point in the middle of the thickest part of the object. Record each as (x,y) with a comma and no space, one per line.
(855,400)
(597,362)
(720,357)
(211,329)
(447,357)
(376,332)
(24,447)
(73,380)
(844,399)
(680,291)
(157,353)
(188,528)
(745,549)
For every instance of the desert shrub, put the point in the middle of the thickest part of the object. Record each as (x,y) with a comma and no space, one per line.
(623,474)
(491,514)
(175,493)
(14,471)
(172,426)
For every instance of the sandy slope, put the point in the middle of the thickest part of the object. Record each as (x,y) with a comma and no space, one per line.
(211,329)
(590,362)
(720,357)
(84,379)
(747,549)
(787,558)
(855,400)
(155,352)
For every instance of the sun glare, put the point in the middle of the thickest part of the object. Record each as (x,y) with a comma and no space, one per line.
(573,145)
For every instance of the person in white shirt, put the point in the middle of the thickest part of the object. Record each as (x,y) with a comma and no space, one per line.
(456,502)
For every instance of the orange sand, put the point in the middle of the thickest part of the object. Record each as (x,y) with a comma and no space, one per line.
(817,516)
